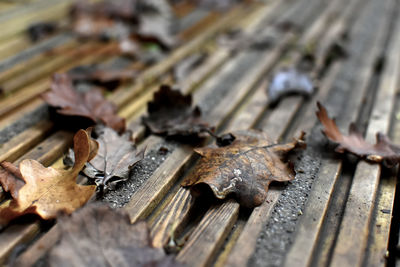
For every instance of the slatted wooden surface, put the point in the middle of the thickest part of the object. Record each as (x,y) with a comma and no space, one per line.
(347,218)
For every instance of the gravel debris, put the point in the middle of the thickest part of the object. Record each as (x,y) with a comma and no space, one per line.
(139,174)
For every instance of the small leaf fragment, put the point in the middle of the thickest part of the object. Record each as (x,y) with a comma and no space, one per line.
(289,81)
(244,168)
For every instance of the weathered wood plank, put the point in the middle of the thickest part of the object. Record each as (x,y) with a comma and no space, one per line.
(21,143)
(204,242)
(39,248)
(15,235)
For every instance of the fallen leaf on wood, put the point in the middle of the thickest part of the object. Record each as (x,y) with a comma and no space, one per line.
(99,236)
(289,81)
(41,30)
(91,104)
(171,114)
(244,168)
(114,160)
(48,191)
(383,150)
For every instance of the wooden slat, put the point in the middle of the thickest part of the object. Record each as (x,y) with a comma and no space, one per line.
(16,235)
(19,144)
(203,242)
(40,248)
(172,217)
(53,11)
(308,232)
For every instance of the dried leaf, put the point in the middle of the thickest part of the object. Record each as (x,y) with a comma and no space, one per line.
(244,168)
(91,104)
(48,191)
(99,236)
(114,160)
(289,81)
(383,150)
(171,114)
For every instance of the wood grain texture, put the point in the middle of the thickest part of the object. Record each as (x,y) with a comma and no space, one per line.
(208,237)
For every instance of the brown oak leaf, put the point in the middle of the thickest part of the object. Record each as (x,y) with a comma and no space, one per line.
(97,235)
(244,168)
(114,160)
(91,104)
(383,150)
(49,191)
(171,114)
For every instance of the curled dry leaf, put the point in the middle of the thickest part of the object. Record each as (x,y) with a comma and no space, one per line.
(244,168)
(96,235)
(90,105)
(171,114)
(289,81)
(48,191)
(383,150)
(114,160)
